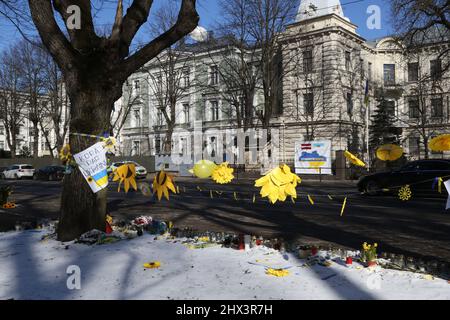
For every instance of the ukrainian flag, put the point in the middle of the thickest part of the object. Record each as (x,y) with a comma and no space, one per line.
(101,179)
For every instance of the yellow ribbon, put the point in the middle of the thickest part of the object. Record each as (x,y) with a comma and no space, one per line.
(343,206)
(293,200)
(254,198)
(440,185)
(330,197)
(235,196)
(310,199)
(210,194)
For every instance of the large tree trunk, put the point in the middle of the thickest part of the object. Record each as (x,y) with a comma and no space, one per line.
(81,209)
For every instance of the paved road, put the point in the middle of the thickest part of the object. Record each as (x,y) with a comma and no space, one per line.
(419,227)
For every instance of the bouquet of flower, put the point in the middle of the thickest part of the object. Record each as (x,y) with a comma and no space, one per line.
(369,252)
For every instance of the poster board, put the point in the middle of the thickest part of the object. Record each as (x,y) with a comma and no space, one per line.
(313,157)
(92,164)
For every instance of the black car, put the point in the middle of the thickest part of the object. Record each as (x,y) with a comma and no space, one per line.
(419,175)
(49,173)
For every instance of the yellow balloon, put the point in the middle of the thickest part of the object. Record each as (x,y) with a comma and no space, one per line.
(204,168)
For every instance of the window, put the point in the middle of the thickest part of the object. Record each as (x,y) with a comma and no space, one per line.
(136,118)
(308,61)
(308,103)
(214,75)
(157,145)
(214,110)
(361,68)
(349,99)
(136,148)
(389,74)
(136,87)
(436,108)
(390,106)
(186,112)
(435,69)
(348,61)
(159,118)
(369,71)
(186,79)
(414,143)
(413,105)
(413,71)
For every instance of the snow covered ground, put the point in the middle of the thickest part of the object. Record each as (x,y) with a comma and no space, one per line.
(34,269)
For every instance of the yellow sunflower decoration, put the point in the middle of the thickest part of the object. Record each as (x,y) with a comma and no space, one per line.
(405,193)
(109,144)
(162,183)
(389,152)
(64,154)
(278,184)
(354,159)
(440,143)
(223,173)
(126,174)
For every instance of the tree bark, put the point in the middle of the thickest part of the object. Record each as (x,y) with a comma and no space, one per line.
(81,209)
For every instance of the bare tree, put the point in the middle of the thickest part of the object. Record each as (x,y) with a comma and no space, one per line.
(56,106)
(416,16)
(94,69)
(120,115)
(169,74)
(236,57)
(32,63)
(268,18)
(13,101)
(424,112)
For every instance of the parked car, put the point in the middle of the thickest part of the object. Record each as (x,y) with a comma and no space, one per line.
(18,171)
(49,173)
(420,175)
(141,172)
(2,169)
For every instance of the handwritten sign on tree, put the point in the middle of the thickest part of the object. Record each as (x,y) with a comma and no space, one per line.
(92,164)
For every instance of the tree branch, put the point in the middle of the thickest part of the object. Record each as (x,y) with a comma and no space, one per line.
(186,23)
(51,34)
(85,37)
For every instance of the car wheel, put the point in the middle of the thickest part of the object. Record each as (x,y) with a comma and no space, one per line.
(372,188)
(34,177)
(16,176)
(50,177)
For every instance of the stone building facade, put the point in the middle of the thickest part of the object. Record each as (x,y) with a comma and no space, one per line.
(329,92)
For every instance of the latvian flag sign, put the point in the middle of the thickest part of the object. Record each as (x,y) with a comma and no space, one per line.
(306,146)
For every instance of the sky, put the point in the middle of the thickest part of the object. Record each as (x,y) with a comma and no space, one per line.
(209,11)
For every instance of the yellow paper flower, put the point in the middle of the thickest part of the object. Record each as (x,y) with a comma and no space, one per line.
(126,174)
(277,272)
(64,154)
(152,265)
(354,159)
(109,143)
(278,184)
(440,143)
(162,183)
(222,173)
(389,152)
(405,193)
